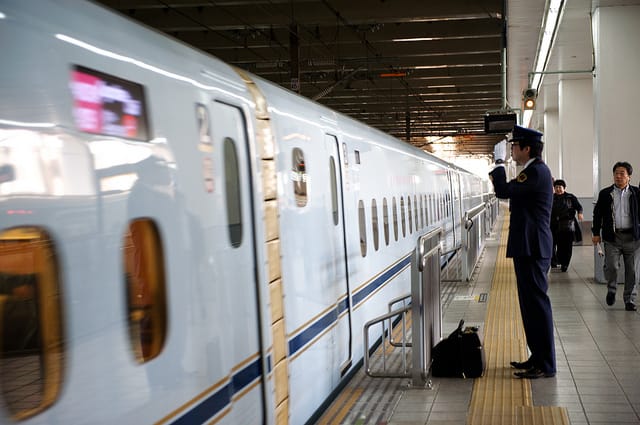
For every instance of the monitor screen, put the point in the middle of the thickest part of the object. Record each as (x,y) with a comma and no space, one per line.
(104,104)
(499,123)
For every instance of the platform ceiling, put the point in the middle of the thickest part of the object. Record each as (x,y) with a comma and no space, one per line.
(411,68)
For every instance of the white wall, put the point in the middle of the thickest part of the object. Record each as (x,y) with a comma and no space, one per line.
(617,91)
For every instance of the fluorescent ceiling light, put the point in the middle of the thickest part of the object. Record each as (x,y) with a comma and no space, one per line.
(550,27)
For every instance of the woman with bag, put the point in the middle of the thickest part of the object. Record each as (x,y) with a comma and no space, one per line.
(564,225)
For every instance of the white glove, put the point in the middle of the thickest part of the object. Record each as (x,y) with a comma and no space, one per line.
(500,152)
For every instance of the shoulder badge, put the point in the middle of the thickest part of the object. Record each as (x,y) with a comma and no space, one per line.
(522,177)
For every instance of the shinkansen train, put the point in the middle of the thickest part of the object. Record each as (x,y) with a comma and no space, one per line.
(182,242)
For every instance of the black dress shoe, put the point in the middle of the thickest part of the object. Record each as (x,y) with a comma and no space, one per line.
(534,373)
(563,268)
(630,307)
(611,298)
(522,365)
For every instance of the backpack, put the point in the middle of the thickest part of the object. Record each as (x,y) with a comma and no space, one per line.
(460,355)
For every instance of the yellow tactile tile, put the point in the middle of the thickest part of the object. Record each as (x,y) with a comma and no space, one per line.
(498,398)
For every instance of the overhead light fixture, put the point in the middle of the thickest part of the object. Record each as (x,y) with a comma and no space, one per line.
(549,29)
(393,74)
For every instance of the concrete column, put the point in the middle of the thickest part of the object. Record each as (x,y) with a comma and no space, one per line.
(552,141)
(616,91)
(575,118)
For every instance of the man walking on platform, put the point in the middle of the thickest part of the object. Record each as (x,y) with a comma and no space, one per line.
(530,244)
(616,216)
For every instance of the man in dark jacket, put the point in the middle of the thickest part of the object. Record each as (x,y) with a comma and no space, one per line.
(529,244)
(616,220)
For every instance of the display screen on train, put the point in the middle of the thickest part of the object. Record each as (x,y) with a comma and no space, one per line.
(104,104)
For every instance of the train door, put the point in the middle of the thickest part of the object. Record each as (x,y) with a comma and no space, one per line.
(232,279)
(337,232)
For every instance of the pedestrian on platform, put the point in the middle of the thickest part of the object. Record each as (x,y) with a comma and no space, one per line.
(616,220)
(564,225)
(530,244)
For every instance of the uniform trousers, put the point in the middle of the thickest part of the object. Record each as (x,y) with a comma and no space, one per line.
(623,245)
(564,240)
(535,308)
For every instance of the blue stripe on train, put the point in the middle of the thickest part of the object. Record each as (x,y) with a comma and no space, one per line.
(219,400)
(316,328)
(216,402)
(359,296)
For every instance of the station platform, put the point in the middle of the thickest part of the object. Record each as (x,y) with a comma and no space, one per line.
(597,351)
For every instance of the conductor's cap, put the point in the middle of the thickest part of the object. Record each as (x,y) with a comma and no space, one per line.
(525,135)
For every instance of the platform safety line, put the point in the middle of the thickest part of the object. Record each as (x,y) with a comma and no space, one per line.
(345,402)
(341,407)
(499,398)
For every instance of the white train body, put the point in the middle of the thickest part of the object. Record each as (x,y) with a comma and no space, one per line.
(131,158)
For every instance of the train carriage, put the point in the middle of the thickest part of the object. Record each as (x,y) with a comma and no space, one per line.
(183,242)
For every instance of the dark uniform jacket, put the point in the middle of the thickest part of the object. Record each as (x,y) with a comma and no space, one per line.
(603,215)
(563,212)
(531,197)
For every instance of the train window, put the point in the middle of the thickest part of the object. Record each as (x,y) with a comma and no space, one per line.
(334,190)
(145,289)
(419,223)
(385,220)
(426,210)
(395,218)
(415,207)
(233,192)
(446,204)
(422,211)
(404,227)
(432,205)
(435,207)
(363,229)
(374,223)
(31,322)
(410,214)
(299,177)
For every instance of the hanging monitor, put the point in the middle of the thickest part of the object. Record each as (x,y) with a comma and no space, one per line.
(499,123)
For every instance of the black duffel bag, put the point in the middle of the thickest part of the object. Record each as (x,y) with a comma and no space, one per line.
(460,355)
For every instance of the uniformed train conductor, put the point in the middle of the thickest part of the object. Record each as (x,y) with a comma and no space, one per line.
(530,244)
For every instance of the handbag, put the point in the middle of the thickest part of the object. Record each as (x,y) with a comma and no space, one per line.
(460,355)
(577,231)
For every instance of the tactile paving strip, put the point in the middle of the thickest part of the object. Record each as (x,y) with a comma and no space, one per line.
(499,398)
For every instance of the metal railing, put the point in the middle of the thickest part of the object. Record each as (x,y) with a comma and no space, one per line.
(384,372)
(472,239)
(406,301)
(425,318)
